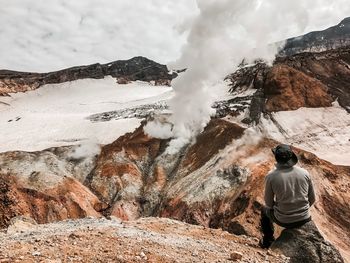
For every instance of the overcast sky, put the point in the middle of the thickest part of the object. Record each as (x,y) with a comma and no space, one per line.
(46,35)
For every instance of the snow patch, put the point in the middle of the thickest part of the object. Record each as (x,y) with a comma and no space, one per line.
(56,114)
(322,131)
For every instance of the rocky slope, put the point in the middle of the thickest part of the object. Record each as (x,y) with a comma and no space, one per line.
(47,186)
(303,80)
(216,182)
(137,68)
(145,240)
(331,38)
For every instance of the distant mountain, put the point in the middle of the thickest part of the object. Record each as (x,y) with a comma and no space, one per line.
(137,68)
(318,41)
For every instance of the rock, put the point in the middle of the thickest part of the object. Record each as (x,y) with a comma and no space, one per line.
(45,194)
(73,236)
(137,68)
(304,80)
(214,182)
(235,256)
(20,224)
(306,244)
(36,254)
(287,88)
(330,38)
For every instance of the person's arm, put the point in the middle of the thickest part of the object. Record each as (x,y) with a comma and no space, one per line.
(311,192)
(269,195)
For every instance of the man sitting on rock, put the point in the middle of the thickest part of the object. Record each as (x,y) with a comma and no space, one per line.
(289,194)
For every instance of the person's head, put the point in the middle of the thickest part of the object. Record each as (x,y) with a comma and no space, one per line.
(284,155)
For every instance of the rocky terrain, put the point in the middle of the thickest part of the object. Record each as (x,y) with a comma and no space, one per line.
(303,80)
(217,184)
(137,68)
(332,38)
(144,240)
(214,183)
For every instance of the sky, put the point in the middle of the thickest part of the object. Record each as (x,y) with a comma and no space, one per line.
(46,35)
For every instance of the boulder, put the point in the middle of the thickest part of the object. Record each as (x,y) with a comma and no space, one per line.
(21,224)
(306,244)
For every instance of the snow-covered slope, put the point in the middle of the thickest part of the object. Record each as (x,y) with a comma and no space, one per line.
(322,131)
(99,111)
(318,41)
(57,115)
(302,100)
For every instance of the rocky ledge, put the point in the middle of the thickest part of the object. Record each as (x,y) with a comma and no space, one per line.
(303,80)
(137,68)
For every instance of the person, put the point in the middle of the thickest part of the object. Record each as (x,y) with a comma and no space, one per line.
(289,194)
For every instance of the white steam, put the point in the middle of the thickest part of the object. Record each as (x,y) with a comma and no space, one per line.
(224,33)
(158,130)
(87,149)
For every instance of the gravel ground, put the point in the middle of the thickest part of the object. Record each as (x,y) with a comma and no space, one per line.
(144,240)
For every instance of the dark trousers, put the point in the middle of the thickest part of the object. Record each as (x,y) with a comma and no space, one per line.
(266,223)
(267,220)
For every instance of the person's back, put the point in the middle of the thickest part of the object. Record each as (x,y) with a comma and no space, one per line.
(289,194)
(293,192)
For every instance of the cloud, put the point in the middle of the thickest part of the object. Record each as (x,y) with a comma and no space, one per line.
(45,35)
(48,35)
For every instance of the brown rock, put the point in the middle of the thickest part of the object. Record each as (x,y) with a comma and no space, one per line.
(235,256)
(215,182)
(290,89)
(302,80)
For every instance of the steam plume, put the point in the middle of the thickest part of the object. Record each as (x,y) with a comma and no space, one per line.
(86,149)
(224,33)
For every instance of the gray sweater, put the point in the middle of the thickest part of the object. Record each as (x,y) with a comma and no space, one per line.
(289,191)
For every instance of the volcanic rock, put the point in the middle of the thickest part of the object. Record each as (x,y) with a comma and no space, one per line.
(331,38)
(289,89)
(303,80)
(235,256)
(306,244)
(137,68)
(216,181)
(21,224)
(157,240)
(45,186)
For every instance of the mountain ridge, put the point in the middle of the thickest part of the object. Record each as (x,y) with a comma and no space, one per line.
(317,41)
(125,71)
